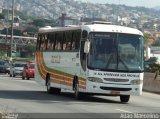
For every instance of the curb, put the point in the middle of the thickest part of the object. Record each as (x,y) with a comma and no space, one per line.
(148,91)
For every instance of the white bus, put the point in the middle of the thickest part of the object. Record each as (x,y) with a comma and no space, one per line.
(96,59)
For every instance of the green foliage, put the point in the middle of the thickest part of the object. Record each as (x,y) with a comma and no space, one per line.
(154,67)
(15,32)
(43,22)
(31,48)
(39,22)
(146,37)
(2,16)
(31,29)
(23,59)
(23,15)
(2,54)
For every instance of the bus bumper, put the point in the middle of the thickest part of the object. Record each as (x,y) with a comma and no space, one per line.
(112,89)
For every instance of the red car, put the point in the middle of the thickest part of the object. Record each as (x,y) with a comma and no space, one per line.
(28,71)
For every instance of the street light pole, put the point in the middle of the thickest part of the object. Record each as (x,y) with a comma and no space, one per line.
(7,23)
(12,26)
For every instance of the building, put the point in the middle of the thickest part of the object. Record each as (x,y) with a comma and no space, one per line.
(65,21)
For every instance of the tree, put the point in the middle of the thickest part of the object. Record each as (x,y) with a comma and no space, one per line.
(2,16)
(31,47)
(146,38)
(15,32)
(157,42)
(44,22)
(31,29)
(39,22)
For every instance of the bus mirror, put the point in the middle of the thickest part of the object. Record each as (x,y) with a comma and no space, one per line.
(86,47)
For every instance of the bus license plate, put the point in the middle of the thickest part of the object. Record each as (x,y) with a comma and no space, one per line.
(115,92)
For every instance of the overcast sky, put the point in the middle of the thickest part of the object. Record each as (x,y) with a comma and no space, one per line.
(145,3)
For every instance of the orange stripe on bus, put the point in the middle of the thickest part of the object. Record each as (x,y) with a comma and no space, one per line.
(56,78)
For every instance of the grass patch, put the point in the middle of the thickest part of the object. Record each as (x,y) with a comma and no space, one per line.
(24,59)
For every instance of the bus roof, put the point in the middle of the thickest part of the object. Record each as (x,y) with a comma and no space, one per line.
(94,28)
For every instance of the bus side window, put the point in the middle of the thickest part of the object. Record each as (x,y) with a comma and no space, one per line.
(76,40)
(49,42)
(42,45)
(46,41)
(38,42)
(67,40)
(59,41)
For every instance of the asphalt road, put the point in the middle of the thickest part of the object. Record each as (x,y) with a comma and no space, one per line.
(27,96)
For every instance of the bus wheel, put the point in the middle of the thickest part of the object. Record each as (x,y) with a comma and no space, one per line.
(78,95)
(51,90)
(124,98)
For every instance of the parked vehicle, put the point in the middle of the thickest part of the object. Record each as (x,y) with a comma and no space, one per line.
(4,66)
(16,69)
(28,71)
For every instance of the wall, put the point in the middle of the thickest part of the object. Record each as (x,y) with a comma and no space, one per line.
(149,84)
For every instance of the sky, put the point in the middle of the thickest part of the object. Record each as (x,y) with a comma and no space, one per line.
(145,3)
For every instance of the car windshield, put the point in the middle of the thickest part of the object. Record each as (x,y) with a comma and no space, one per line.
(112,51)
(2,63)
(31,66)
(19,65)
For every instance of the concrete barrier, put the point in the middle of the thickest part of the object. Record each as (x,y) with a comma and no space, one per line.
(150,83)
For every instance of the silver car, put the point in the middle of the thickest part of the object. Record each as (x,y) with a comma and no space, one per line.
(16,69)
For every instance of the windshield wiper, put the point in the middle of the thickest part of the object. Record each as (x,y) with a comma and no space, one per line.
(123,63)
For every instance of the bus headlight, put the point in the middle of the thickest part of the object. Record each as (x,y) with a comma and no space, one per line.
(95,79)
(136,82)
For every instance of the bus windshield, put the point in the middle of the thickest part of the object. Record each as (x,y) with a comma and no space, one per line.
(116,51)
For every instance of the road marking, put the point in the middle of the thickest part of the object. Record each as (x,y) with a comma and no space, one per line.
(123,111)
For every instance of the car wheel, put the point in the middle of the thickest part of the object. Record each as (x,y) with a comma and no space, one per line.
(23,77)
(27,77)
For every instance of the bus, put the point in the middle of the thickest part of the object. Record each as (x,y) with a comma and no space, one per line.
(93,59)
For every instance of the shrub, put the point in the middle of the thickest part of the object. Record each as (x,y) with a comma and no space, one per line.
(154,67)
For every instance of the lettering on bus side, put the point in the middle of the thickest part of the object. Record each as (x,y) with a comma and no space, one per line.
(55,59)
(117,74)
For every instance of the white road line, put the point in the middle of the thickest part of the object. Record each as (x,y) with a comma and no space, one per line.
(123,111)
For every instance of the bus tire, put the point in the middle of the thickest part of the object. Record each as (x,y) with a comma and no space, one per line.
(51,90)
(124,98)
(77,94)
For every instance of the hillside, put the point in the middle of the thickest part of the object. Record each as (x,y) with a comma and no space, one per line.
(157,8)
(78,9)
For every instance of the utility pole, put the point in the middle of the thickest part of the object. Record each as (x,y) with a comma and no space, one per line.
(12,27)
(7,21)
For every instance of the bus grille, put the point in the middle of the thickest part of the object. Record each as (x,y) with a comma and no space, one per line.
(116,80)
(116,89)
